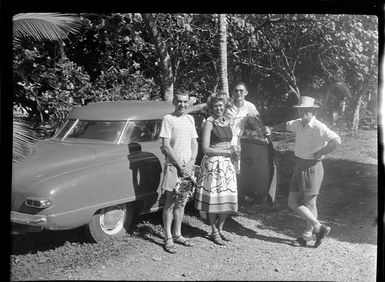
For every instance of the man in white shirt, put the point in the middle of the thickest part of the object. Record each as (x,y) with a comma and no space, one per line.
(179,143)
(242,112)
(313,140)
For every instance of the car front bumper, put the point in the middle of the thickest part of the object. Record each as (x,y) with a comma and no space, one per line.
(22,222)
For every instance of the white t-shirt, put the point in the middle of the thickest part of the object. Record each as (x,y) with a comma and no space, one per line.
(311,138)
(238,119)
(180,129)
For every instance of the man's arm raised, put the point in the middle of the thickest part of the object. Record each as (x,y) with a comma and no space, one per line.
(278,127)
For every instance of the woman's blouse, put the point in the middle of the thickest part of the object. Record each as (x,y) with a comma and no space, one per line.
(221,132)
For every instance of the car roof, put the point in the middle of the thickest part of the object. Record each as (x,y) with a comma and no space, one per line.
(123,110)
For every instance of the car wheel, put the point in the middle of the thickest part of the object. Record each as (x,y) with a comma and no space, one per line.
(110,222)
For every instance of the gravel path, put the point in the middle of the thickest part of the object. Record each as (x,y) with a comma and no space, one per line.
(257,252)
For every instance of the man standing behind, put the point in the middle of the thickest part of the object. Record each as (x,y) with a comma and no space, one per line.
(179,143)
(240,113)
(313,140)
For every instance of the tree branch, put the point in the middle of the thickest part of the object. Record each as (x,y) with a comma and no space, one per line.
(325,69)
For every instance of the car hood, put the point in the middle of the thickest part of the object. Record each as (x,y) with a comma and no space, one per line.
(51,159)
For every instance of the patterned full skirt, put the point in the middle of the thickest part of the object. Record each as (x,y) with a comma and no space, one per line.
(217,186)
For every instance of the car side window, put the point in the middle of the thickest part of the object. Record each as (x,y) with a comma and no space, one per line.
(141,131)
(95,130)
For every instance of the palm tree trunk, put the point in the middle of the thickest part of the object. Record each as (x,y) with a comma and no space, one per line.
(224,84)
(167,84)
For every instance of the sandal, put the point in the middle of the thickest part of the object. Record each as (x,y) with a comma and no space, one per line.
(216,238)
(183,241)
(170,248)
(224,236)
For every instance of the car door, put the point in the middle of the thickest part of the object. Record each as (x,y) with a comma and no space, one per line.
(146,161)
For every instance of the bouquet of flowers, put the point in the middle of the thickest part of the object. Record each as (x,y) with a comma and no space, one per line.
(185,186)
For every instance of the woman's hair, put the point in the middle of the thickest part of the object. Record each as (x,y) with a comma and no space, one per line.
(214,99)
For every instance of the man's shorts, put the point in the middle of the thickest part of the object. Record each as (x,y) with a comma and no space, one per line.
(170,178)
(307,177)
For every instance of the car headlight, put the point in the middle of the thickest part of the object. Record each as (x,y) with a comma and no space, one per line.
(38,202)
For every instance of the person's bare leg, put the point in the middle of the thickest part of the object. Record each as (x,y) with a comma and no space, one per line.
(221,220)
(178,217)
(167,214)
(302,210)
(311,203)
(212,217)
(215,237)
(167,223)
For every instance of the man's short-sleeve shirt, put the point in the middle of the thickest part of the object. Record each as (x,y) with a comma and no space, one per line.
(180,130)
(311,138)
(238,118)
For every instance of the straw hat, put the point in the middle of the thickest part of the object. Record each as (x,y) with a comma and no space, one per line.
(306,102)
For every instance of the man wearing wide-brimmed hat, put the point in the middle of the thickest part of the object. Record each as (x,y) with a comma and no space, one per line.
(313,140)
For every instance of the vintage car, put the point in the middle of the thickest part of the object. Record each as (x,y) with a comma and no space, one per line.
(99,170)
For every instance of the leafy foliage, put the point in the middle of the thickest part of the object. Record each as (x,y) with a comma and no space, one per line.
(48,87)
(37,26)
(279,56)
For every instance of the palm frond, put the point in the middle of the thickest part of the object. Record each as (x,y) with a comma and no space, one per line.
(23,139)
(51,26)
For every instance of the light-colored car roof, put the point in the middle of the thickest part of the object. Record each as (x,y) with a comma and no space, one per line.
(123,110)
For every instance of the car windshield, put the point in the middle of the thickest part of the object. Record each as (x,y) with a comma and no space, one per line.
(141,131)
(94,131)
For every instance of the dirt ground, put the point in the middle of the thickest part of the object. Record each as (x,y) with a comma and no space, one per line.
(260,235)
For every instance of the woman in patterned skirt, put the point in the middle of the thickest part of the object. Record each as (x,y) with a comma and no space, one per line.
(217,187)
